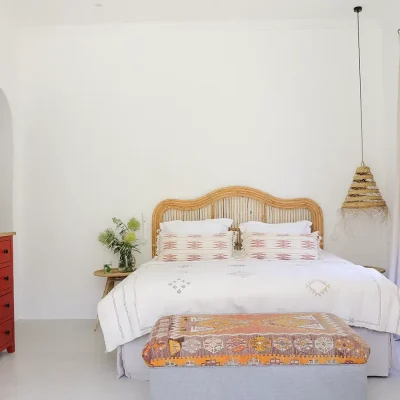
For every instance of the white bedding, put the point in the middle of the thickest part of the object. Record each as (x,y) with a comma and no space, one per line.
(362,297)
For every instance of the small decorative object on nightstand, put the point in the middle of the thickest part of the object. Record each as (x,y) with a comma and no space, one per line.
(108,267)
(112,277)
(379,269)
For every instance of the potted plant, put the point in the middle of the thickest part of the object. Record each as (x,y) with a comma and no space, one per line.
(122,240)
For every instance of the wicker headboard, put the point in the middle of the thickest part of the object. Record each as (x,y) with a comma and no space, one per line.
(241,204)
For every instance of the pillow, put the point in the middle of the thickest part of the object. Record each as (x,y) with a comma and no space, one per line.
(207,226)
(264,246)
(294,228)
(194,247)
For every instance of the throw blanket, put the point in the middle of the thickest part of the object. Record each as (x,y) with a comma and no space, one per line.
(253,339)
(362,297)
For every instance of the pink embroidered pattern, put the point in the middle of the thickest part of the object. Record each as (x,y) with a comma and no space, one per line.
(220,257)
(308,257)
(283,244)
(220,245)
(258,256)
(283,256)
(307,244)
(170,245)
(257,243)
(193,257)
(169,257)
(195,245)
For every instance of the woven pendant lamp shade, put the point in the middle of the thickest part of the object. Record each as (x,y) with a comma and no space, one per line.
(364,193)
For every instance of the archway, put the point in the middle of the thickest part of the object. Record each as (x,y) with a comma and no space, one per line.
(6,165)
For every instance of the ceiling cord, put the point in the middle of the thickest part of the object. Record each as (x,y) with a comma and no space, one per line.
(358,10)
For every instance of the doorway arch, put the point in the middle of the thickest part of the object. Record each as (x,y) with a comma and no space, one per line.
(6,165)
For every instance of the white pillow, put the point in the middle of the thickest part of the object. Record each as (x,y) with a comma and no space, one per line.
(207,226)
(280,246)
(294,228)
(195,247)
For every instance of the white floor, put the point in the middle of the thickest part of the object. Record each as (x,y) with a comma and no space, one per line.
(64,360)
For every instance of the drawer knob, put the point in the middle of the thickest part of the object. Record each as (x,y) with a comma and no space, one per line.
(8,305)
(7,332)
(5,251)
(6,278)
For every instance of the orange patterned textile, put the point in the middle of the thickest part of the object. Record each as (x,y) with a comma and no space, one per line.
(253,339)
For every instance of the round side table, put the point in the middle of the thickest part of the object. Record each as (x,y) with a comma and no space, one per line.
(112,277)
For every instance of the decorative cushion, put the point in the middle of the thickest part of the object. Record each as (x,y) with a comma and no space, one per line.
(171,247)
(253,339)
(204,227)
(265,246)
(292,228)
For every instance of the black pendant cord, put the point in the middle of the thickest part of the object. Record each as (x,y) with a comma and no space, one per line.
(358,10)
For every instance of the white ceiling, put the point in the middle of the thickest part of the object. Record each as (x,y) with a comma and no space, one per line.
(83,12)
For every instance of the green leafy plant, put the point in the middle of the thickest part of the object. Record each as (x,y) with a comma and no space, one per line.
(122,240)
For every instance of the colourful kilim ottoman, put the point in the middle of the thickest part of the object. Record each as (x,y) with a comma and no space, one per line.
(256,356)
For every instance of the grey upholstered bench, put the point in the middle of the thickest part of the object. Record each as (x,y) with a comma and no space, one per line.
(302,356)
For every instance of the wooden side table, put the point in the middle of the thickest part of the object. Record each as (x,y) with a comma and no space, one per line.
(379,269)
(114,276)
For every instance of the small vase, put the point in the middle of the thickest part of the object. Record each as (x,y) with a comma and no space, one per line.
(127,262)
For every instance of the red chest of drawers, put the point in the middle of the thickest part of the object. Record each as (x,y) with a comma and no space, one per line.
(7,336)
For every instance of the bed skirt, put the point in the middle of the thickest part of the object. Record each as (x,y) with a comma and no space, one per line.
(131,364)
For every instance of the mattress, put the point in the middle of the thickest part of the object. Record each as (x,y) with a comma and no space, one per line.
(361,297)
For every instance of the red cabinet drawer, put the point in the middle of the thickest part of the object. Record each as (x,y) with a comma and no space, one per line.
(6,278)
(6,332)
(5,250)
(6,306)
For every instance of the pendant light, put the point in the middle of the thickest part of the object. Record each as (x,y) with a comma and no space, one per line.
(363,194)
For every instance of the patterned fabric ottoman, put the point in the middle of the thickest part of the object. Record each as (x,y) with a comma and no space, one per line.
(256,356)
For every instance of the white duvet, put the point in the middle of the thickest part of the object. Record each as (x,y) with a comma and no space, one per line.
(362,297)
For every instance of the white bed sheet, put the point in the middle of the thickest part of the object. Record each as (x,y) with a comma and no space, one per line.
(362,297)
(326,256)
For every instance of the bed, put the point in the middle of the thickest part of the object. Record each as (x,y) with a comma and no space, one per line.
(365,299)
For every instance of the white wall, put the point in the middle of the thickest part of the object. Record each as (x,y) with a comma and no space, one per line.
(115,119)
(8,111)
(7,93)
(391,52)
(6,166)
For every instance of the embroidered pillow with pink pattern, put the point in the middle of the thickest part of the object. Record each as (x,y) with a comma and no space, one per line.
(264,246)
(195,247)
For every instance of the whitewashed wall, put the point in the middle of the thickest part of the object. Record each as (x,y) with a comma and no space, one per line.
(8,111)
(6,165)
(115,119)
(7,92)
